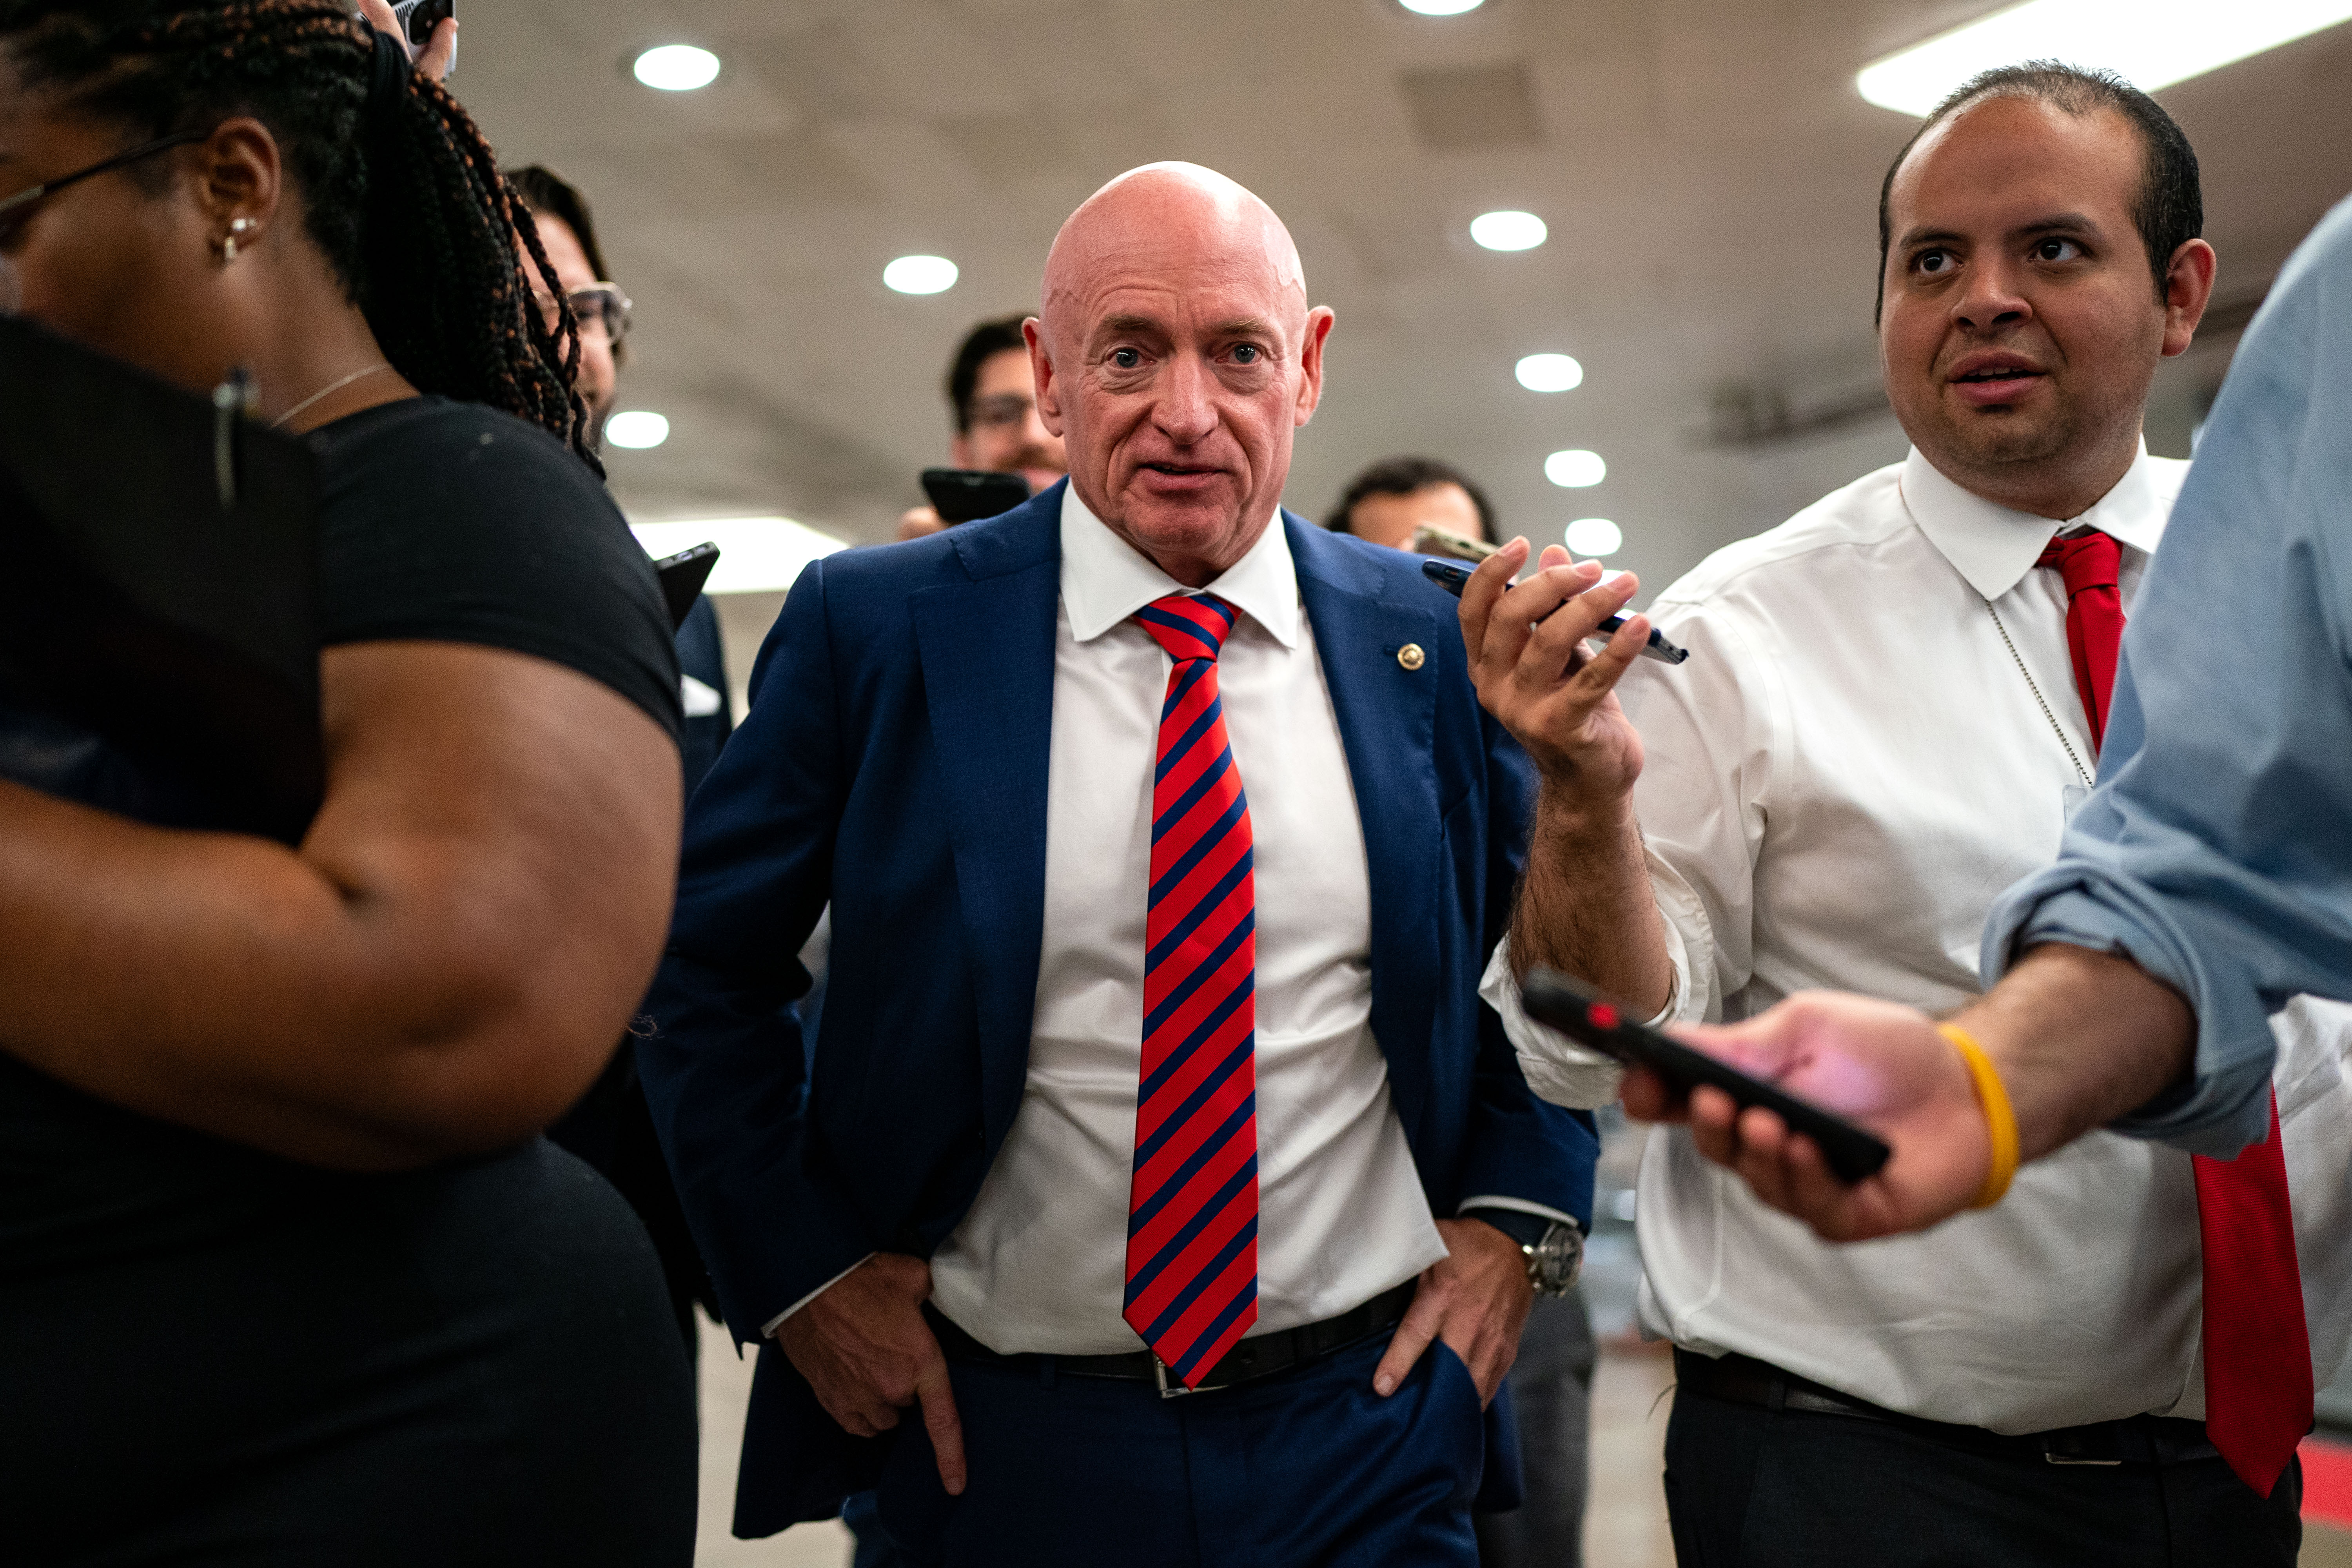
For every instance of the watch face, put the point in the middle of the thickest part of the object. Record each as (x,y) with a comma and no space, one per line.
(1554,1263)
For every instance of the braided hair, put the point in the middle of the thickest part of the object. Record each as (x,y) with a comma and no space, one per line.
(403,195)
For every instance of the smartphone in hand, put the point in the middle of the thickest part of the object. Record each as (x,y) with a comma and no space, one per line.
(1584,1015)
(419,17)
(1453,578)
(967,495)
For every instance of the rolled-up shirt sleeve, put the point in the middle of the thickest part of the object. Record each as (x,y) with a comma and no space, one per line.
(1556,1067)
(2216,852)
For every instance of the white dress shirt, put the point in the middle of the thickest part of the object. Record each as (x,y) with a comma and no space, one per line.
(1847,772)
(1039,1262)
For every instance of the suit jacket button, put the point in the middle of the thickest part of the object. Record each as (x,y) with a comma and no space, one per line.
(1411,656)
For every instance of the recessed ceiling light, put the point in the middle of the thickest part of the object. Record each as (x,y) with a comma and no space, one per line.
(1550,373)
(1594,536)
(1508,230)
(636,429)
(1575,469)
(920,274)
(2150,44)
(677,68)
(1440,8)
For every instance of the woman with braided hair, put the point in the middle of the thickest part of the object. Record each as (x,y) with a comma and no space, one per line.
(285,1275)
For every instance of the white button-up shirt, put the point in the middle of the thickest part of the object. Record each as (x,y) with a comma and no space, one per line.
(1039,1262)
(1871,739)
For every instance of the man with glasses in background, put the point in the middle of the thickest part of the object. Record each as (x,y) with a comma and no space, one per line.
(568,232)
(995,406)
(610,1128)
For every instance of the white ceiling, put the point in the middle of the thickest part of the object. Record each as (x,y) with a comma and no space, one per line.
(1707,170)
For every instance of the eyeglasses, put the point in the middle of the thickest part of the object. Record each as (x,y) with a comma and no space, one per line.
(32,193)
(1001,411)
(599,308)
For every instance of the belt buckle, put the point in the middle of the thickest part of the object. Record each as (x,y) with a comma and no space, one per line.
(1168,1390)
(2051,1456)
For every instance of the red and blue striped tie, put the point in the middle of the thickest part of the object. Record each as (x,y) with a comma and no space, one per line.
(1192,1224)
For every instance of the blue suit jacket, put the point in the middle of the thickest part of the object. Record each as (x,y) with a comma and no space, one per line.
(894,763)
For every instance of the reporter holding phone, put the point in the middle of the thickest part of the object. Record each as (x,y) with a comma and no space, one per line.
(285,1275)
(1892,703)
(993,400)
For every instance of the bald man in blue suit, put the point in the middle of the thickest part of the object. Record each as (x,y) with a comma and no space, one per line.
(959,1206)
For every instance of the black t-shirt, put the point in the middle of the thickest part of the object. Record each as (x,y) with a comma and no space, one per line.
(438,521)
(452,522)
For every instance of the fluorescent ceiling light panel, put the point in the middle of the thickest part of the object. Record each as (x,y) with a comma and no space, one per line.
(2150,44)
(677,68)
(756,554)
(1440,8)
(921,275)
(1550,373)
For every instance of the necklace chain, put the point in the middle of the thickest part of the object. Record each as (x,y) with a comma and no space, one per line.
(2031,685)
(335,385)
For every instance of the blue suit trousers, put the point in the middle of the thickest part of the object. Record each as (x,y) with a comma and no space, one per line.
(1306,1467)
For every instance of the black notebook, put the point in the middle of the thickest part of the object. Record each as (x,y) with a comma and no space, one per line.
(158,588)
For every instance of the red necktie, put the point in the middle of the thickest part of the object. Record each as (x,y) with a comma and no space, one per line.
(2094,618)
(2258,1399)
(1191,1226)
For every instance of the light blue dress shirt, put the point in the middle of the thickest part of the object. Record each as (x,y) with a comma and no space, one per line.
(2217,850)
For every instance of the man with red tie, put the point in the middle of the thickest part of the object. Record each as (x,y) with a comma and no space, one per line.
(1893,702)
(1156,1141)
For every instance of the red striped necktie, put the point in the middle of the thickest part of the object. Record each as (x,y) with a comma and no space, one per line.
(1192,1225)
(2257,1397)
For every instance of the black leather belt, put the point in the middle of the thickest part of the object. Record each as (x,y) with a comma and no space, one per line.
(1261,1355)
(2137,1439)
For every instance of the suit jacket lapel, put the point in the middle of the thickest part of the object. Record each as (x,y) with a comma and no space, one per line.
(1388,720)
(987,653)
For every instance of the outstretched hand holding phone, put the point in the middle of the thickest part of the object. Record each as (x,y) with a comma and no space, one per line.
(1900,1073)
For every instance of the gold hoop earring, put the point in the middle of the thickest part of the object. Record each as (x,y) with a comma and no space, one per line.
(228,241)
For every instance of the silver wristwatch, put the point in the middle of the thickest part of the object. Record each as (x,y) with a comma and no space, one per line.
(1556,1260)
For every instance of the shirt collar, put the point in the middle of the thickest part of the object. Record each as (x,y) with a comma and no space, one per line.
(1994,547)
(1105,579)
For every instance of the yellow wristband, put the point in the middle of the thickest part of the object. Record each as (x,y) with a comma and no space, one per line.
(2000,1120)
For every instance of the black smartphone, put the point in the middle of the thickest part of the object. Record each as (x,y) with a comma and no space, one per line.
(682,576)
(419,17)
(967,495)
(1452,577)
(1585,1016)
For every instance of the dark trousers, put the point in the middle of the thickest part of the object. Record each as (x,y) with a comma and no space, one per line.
(1750,1488)
(1551,1391)
(467,1366)
(1306,1467)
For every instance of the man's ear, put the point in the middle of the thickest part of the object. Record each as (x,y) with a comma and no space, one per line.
(2187,288)
(960,450)
(240,180)
(1310,363)
(1041,372)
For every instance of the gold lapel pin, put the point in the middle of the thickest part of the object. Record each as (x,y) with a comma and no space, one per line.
(1411,656)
